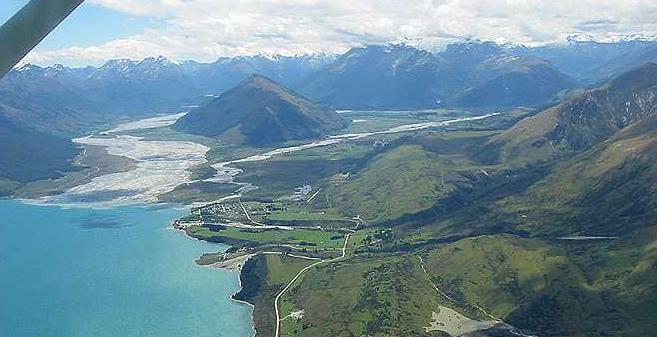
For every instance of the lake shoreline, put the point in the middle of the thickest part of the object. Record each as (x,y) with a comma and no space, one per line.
(159,166)
(169,295)
(234,265)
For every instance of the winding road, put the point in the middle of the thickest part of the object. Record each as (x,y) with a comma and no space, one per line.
(296,277)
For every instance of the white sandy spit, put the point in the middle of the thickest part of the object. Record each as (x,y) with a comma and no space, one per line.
(455,324)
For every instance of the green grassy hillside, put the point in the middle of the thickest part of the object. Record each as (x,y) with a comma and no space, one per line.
(262,278)
(559,288)
(528,283)
(383,296)
(609,190)
(548,226)
(400,181)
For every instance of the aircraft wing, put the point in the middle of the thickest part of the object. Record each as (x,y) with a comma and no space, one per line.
(28,27)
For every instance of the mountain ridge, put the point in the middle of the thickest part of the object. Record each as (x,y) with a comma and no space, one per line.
(582,121)
(260,111)
(404,77)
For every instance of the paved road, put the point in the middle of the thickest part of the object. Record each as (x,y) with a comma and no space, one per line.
(248,216)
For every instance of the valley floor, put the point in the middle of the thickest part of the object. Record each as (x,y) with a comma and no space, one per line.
(300,230)
(412,266)
(400,225)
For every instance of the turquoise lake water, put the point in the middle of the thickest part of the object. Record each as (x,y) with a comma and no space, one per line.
(107,273)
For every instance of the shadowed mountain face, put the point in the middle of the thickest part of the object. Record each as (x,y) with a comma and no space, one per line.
(37,98)
(403,77)
(391,77)
(587,165)
(521,84)
(608,190)
(608,186)
(260,112)
(36,126)
(582,121)
(28,154)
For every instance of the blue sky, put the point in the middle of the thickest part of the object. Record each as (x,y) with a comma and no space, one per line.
(90,25)
(204,30)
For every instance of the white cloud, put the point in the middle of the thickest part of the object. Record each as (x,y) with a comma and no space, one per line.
(207,29)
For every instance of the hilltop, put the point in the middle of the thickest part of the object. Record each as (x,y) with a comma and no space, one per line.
(259,112)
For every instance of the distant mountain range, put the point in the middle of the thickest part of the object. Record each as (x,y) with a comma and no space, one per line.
(38,103)
(402,77)
(125,88)
(591,62)
(470,73)
(386,77)
(260,112)
(379,77)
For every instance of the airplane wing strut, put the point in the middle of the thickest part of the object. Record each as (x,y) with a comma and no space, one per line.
(28,27)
